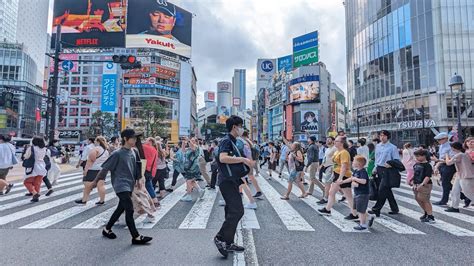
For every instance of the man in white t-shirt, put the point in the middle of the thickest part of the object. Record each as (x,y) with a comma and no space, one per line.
(363,150)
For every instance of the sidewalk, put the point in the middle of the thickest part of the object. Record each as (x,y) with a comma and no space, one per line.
(18,171)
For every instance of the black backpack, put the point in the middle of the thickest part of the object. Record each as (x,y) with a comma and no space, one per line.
(207,156)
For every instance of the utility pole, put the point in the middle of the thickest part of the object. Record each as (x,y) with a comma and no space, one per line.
(422,124)
(54,88)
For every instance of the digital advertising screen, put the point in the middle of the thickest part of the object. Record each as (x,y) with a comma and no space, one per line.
(90,23)
(159,24)
(309,121)
(304,89)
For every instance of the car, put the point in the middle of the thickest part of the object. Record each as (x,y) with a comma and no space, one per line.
(19,143)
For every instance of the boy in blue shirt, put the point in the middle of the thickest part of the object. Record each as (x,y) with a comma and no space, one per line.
(360,183)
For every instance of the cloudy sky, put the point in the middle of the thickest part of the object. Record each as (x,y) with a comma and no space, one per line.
(229,34)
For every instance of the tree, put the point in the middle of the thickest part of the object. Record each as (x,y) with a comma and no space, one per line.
(213,131)
(154,116)
(102,124)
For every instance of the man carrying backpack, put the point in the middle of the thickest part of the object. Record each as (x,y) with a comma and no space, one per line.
(204,158)
(253,172)
(232,167)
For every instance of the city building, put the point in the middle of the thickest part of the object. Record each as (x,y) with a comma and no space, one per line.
(8,21)
(224,101)
(338,109)
(308,109)
(266,68)
(20,96)
(209,99)
(32,25)
(239,89)
(401,55)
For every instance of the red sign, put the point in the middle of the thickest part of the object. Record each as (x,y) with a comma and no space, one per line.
(211,96)
(289,122)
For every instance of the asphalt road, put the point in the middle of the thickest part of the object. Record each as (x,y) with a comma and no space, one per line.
(56,231)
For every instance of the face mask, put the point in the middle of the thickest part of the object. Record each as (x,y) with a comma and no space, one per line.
(240,131)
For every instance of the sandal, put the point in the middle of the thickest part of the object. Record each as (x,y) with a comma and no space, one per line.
(285,198)
(100,203)
(303,196)
(109,234)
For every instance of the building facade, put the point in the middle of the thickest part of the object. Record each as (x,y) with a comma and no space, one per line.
(8,21)
(338,109)
(239,89)
(20,96)
(401,55)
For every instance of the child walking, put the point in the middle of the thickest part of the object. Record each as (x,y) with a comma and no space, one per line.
(422,185)
(360,183)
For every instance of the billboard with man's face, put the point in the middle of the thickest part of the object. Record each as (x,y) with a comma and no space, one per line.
(304,89)
(159,24)
(90,23)
(309,121)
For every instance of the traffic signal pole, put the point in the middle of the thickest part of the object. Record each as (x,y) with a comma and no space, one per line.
(54,88)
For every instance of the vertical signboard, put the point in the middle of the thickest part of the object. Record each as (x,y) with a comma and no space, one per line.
(305,49)
(285,63)
(289,122)
(185,95)
(109,88)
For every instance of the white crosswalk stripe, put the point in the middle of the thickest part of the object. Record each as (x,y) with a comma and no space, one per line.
(21,187)
(288,215)
(31,216)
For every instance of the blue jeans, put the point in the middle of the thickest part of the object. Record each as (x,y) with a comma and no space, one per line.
(149,186)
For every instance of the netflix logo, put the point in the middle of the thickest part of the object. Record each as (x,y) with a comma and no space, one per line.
(87,42)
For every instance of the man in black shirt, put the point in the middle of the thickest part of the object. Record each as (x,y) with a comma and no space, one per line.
(230,159)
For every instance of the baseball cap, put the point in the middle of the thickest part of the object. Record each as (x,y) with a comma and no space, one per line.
(164,7)
(312,138)
(442,135)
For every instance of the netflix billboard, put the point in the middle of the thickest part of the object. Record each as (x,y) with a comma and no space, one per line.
(90,23)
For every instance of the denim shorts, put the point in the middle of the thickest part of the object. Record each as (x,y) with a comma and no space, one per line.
(361,202)
(293,176)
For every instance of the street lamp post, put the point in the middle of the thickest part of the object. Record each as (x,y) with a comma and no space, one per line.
(456,85)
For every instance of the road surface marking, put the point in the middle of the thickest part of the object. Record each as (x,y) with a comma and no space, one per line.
(288,215)
(21,187)
(199,214)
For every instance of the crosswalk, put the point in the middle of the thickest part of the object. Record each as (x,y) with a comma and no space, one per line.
(60,212)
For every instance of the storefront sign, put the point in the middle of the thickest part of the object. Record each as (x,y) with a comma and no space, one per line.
(416,124)
(68,134)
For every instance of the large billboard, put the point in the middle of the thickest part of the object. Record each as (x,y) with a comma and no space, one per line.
(109,88)
(304,89)
(159,24)
(266,68)
(185,95)
(305,49)
(285,63)
(309,121)
(90,23)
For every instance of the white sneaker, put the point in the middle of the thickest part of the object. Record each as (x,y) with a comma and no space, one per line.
(187,198)
(149,220)
(251,205)
(221,202)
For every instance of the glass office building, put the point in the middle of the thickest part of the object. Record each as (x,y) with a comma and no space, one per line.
(401,55)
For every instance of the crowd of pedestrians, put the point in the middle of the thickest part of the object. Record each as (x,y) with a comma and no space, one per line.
(346,171)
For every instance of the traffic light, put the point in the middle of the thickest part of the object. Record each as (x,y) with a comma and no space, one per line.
(127,61)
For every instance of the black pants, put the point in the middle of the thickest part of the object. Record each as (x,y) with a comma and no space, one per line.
(125,204)
(234,210)
(213,178)
(46,182)
(385,192)
(447,173)
(264,162)
(161,174)
(175,178)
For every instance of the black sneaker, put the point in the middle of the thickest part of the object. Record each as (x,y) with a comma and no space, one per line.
(424,216)
(305,183)
(9,187)
(142,240)
(235,248)
(376,212)
(258,194)
(1,193)
(35,197)
(342,199)
(169,190)
(371,221)
(351,217)
(322,201)
(325,212)
(451,209)
(109,235)
(467,203)
(29,194)
(221,246)
(439,203)
(49,193)
(79,201)
(430,219)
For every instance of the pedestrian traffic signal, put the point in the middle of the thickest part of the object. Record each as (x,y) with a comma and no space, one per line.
(127,61)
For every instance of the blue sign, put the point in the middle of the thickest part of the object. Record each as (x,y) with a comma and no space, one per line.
(304,79)
(285,63)
(109,93)
(305,41)
(267,66)
(67,65)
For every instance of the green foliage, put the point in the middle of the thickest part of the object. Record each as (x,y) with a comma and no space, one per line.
(154,117)
(102,124)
